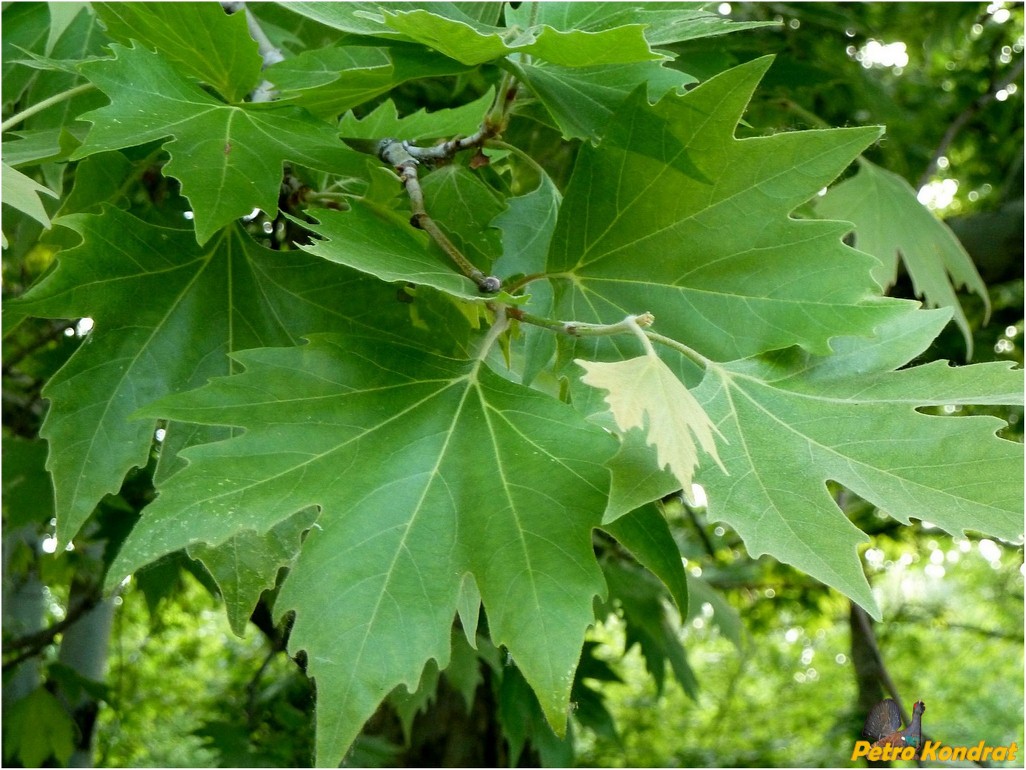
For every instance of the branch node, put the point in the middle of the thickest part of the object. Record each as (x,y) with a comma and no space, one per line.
(489,285)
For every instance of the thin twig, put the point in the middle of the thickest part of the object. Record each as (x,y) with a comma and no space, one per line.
(986,632)
(498,327)
(253,686)
(967,114)
(632,324)
(33,643)
(885,678)
(400,155)
(513,286)
(405,157)
(56,331)
(702,534)
(628,325)
(447,150)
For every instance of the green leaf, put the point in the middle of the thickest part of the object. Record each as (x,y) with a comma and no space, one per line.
(724,616)
(456,39)
(464,207)
(194,305)
(582,100)
(329,81)
(366,18)
(47,64)
(228,157)
(468,608)
(356,67)
(467,33)
(637,477)
(425,467)
(99,179)
(663,23)
(81,40)
(673,215)
(382,243)
(384,121)
(455,31)
(622,45)
(644,393)
(27,491)
(526,227)
(26,27)
(44,144)
(61,17)
(892,225)
(200,38)
(247,565)
(22,192)
(408,704)
(37,728)
(475,43)
(648,624)
(522,720)
(464,672)
(645,533)
(793,421)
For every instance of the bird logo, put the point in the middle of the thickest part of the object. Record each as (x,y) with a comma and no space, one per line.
(883,725)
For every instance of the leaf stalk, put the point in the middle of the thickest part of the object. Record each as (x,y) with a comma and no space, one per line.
(632,324)
(580,328)
(405,157)
(680,347)
(28,112)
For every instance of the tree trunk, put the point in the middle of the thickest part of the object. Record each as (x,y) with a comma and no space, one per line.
(84,650)
(23,606)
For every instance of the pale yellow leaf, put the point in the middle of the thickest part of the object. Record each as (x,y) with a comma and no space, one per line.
(645,387)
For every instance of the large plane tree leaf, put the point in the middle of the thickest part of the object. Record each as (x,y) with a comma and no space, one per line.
(228,157)
(368,18)
(673,215)
(426,468)
(384,121)
(328,81)
(454,30)
(380,242)
(477,43)
(200,37)
(663,23)
(189,307)
(247,564)
(793,421)
(892,225)
(582,99)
